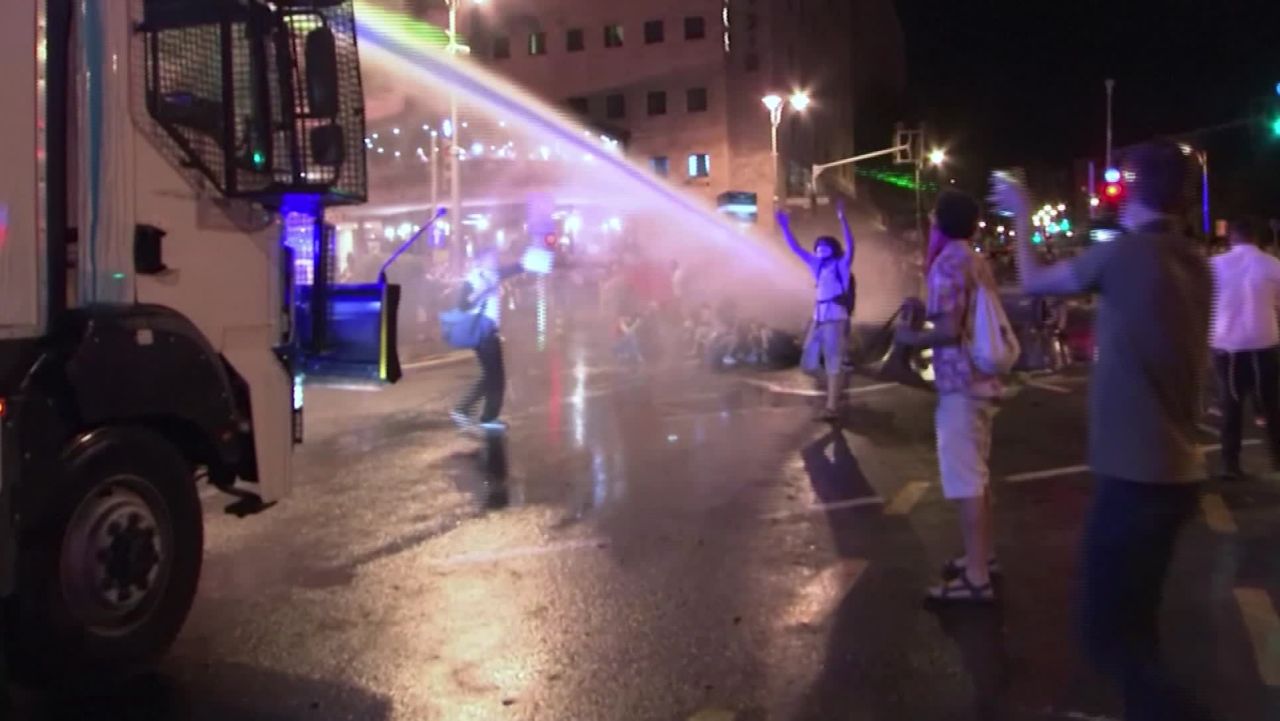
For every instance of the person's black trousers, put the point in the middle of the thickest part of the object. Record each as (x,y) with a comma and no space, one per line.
(1129,539)
(1244,375)
(492,384)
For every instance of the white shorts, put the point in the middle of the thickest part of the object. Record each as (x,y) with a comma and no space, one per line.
(963,426)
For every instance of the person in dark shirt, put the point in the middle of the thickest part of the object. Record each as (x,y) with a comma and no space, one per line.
(1156,293)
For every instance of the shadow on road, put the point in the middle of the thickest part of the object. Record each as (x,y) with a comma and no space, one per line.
(218,692)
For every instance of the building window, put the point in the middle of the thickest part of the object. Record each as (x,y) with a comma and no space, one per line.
(615,106)
(696,99)
(657,102)
(613,36)
(576,41)
(700,165)
(661,165)
(654,32)
(753,62)
(579,106)
(501,47)
(695,28)
(537,43)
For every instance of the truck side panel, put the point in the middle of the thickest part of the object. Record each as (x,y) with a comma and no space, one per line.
(21,239)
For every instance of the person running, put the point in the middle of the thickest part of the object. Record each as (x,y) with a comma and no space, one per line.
(832,268)
(966,397)
(1246,340)
(482,292)
(1153,320)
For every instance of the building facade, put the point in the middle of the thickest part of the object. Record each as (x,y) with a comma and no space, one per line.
(681,82)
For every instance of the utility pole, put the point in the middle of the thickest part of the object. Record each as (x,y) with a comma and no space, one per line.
(1111,87)
(456,250)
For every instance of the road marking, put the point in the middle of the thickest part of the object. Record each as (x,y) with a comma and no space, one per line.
(506,554)
(1216,513)
(1050,473)
(1264,631)
(1049,387)
(444,360)
(1073,470)
(1207,428)
(906,499)
(825,508)
(813,393)
(818,598)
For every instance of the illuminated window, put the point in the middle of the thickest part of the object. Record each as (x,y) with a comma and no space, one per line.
(661,165)
(537,43)
(696,100)
(575,41)
(613,36)
(615,106)
(695,28)
(654,32)
(657,102)
(501,47)
(700,165)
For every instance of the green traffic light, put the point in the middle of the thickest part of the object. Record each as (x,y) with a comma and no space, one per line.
(1275,126)
(259,159)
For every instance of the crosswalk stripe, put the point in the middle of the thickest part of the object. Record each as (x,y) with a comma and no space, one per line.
(906,499)
(1216,513)
(1264,631)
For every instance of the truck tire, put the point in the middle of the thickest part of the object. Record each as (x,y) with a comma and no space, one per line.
(109,567)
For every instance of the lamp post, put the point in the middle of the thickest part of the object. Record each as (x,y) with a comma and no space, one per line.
(799,101)
(456,251)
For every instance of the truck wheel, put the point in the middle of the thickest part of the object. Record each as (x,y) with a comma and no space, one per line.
(110,566)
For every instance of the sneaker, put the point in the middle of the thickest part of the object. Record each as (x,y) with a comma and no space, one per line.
(460,419)
(495,425)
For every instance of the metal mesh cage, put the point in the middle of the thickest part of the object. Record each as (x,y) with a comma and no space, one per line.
(262,100)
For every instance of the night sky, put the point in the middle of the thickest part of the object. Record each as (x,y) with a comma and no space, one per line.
(1020,82)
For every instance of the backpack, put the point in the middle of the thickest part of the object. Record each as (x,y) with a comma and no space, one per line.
(466,328)
(993,346)
(845,299)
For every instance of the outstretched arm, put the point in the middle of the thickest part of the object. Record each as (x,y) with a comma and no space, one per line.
(1037,277)
(784,222)
(850,245)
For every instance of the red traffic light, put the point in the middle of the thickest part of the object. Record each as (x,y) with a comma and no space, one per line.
(1113,191)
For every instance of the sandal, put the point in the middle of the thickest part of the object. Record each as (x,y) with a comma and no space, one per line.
(962,590)
(954,568)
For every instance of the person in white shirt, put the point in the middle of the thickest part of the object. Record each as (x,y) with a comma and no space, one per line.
(1245,338)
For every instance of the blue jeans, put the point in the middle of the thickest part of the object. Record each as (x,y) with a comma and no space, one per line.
(1129,540)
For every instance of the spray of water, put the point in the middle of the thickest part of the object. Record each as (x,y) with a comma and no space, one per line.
(518,153)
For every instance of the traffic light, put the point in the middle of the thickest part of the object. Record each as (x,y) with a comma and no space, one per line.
(1275,126)
(1113,192)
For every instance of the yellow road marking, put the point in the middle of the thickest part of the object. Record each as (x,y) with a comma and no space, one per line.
(1216,513)
(906,499)
(1264,631)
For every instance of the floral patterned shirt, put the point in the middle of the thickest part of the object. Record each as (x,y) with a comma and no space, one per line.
(953,280)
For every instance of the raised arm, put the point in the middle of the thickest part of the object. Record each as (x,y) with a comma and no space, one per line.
(850,245)
(1036,276)
(784,222)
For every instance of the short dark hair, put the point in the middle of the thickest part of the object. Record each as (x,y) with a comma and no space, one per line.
(956,214)
(837,250)
(1248,228)
(1160,172)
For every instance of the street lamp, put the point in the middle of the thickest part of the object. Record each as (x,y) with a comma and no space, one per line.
(937,156)
(799,102)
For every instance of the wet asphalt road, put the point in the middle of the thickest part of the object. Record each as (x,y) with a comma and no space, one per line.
(667,544)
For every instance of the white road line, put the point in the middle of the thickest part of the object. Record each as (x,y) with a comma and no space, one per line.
(1049,387)
(1264,631)
(906,499)
(813,393)
(506,554)
(436,362)
(1073,470)
(1207,428)
(1216,514)
(826,508)
(1049,473)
